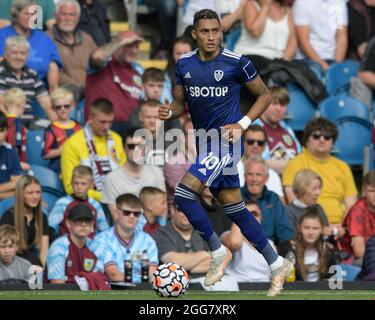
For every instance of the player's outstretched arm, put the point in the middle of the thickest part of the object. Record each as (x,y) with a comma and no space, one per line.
(176,108)
(259,89)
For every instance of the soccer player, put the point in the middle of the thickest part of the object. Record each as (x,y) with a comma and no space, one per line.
(209,80)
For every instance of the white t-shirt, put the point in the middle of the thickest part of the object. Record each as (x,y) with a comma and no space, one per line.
(273,184)
(119,182)
(312,263)
(248,265)
(323,17)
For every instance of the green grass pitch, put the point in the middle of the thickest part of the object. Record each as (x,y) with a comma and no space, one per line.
(190,295)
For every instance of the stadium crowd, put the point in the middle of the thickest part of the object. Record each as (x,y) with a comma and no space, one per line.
(86,198)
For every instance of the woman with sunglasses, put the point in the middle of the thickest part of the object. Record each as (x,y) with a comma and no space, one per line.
(339,192)
(61,129)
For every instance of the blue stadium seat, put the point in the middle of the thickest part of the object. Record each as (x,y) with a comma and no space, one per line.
(6,204)
(78,113)
(48,179)
(354,136)
(336,107)
(339,74)
(300,109)
(49,199)
(349,272)
(34,147)
(231,39)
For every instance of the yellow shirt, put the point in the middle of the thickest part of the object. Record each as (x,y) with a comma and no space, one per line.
(76,152)
(338,182)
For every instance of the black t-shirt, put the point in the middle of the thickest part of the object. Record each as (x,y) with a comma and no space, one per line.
(8,218)
(368,61)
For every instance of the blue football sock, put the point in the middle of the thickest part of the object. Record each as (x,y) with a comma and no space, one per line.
(187,201)
(251,229)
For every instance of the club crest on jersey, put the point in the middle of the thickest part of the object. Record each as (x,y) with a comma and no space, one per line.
(218,74)
(88,264)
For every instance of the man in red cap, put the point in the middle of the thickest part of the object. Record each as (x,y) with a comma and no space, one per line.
(112,75)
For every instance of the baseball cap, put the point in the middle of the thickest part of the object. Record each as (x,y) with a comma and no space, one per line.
(80,211)
(130,34)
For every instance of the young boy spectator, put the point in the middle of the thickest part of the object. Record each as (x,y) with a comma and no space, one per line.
(154,202)
(14,103)
(282,143)
(124,241)
(82,181)
(13,269)
(359,223)
(61,129)
(71,255)
(153,83)
(10,167)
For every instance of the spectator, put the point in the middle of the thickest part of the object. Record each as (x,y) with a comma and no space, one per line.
(29,220)
(155,133)
(167,13)
(361,26)
(283,144)
(124,241)
(339,192)
(44,57)
(368,266)
(82,182)
(309,253)
(178,242)
(307,186)
(255,142)
(180,46)
(94,21)
(153,82)
(219,220)
(247,264)
(13,269)
(112,75)
(322,32)
(275,221)
(14,105)
(176,166)
(10,166)
(154,202)
(74,45)
(359,223)
(60,130)
(95,146)
(268,32)
(133,175)
(71,255)
(47,10)
(14,73)
(367,67)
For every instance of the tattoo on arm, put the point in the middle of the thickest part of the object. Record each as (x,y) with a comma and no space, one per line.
(259,89)
(178,104)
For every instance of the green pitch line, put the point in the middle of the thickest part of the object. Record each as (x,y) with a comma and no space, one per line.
(190,295)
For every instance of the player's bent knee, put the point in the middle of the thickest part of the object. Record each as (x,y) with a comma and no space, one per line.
(184,194)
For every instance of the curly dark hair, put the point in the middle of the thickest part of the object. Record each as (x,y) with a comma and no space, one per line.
(205,14)
(320,124)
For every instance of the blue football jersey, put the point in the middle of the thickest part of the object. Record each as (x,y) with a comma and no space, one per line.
(213,87)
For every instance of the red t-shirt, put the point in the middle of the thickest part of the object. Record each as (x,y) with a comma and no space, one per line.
(359,222)
(17,135)
(125,95)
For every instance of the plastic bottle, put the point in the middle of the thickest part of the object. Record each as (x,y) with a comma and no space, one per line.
(292,258)
(145,266)
(128,267)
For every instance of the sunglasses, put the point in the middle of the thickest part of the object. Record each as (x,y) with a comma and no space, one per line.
(63,106)
(251,142)
(127,213)
(317,136)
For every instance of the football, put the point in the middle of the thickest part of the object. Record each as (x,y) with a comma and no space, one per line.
(170,280)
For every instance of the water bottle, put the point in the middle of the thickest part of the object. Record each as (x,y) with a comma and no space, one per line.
(128,267)
(145,266)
